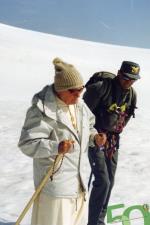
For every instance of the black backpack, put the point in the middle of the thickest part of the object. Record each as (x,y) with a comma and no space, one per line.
(99,76)
(103,76)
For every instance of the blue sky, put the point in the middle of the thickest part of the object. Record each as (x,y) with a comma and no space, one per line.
(121,22)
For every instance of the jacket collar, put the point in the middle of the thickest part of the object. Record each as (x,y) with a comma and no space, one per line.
(46,102)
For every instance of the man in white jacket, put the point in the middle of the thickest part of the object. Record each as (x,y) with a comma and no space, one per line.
(58,122)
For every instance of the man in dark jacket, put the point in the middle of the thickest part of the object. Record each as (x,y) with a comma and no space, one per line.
(113,102)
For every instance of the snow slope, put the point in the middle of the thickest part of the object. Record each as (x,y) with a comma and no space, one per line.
(25,67)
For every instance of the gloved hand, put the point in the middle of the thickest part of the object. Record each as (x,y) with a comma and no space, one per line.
(65,146)
(100,139)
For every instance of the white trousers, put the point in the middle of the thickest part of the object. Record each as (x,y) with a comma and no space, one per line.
(48,210)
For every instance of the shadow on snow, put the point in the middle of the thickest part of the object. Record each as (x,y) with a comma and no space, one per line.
(7,223)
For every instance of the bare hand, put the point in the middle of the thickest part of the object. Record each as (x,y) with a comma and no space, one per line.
(100,139)
(65,146)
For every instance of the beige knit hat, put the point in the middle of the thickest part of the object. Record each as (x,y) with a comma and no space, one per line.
(66,76)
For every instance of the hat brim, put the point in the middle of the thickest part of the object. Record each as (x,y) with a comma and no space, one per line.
(131,76)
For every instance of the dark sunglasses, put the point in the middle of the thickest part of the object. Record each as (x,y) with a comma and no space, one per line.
(124,77)
(76,90)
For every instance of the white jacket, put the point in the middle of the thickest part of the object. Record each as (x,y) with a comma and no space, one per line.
(44,128)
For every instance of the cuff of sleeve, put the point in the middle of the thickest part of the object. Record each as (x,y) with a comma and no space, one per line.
(92,140)
(53,147)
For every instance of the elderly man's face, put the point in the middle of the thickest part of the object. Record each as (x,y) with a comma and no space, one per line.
(70,96)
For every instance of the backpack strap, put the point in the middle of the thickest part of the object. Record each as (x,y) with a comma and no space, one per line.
(133,100)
